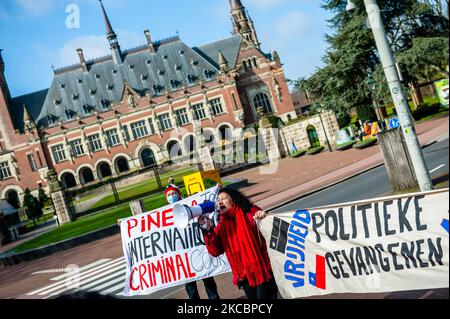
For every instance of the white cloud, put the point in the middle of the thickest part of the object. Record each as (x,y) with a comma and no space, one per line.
(95,46)
(36,7)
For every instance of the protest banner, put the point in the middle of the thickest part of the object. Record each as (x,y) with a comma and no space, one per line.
(387,244)
(160,256)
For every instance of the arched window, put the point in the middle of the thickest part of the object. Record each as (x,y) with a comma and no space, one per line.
(68,180)
(174,149)
(226,133)
(12,197)
(122,165)
(313,137)
(148,158)
(104,170)
(262,100)
(86,176)
(190,144)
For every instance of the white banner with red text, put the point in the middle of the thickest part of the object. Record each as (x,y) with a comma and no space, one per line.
(160,255)
(397,243)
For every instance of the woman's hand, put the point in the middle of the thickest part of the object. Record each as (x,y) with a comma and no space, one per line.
(205,223)
(260,215)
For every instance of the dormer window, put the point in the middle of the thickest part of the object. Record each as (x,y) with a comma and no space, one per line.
(75,97)
(51,120)
(157,89)
(165,57)
(92,92)
(114,71)
(161,72)
(105,104)
(177,67)
(110,87)
(181,52)
(174,84)
(80,81)
(62,85)
(131,66)
(191,79)
(148,61)
(57,102)
(69,114)
(97,76)
(87,109)
(208,74)
(144,77)
(194,63)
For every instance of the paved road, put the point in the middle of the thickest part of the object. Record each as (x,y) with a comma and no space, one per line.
(374,183)
(107,275)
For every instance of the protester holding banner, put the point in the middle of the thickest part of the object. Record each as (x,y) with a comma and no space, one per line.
(237,235)
(173,195)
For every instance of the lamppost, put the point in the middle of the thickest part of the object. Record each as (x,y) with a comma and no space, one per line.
(319,110)
(397,92)
(372,86)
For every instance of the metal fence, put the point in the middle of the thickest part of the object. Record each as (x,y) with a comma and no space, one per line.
(116,190)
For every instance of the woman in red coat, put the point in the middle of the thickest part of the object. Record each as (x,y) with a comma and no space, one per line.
(237,235)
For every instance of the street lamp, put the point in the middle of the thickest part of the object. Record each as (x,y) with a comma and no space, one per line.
(397,92)
(319,110)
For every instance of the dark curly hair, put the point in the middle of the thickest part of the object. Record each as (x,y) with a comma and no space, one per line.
(238,198)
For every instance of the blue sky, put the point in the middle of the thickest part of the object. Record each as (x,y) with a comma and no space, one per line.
(35,34)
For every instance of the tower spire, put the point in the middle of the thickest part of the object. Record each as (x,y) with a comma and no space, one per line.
(112,37)
(242,23)
(2,63)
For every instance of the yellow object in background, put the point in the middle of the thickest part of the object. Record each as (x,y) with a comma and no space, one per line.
(195,183)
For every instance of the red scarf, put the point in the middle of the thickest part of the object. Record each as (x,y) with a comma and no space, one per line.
(246,258)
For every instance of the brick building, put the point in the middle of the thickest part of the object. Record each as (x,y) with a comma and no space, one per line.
(137,107)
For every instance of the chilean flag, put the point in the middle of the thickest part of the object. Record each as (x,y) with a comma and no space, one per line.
(319,279)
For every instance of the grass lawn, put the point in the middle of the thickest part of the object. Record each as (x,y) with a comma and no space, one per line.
(92,223)
(44,218)
(144,187)
(429,100)
(89,224)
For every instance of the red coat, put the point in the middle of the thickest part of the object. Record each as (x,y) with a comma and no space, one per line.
(213,241)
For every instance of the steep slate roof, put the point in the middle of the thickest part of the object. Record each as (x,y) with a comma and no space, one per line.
(33,102)
(229,48)
(72,89)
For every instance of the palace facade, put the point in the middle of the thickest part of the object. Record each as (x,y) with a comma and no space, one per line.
(137,107)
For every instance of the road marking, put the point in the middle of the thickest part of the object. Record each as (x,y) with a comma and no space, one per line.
(437,168)
(94,264)
(61,283)
(112,282)
(115,288)
(97,279)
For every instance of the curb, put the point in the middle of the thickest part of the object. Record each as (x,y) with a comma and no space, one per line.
(14,259)
(321,188)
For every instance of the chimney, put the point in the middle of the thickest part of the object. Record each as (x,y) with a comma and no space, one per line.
(149,41)
(82,60)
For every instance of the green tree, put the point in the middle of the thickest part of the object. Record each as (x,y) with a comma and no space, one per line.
(30,205)
(341,84)
(44,200)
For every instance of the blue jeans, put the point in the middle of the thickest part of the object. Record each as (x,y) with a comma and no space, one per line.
(210,287)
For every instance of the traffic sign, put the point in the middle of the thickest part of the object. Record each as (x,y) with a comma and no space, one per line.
(394,123)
